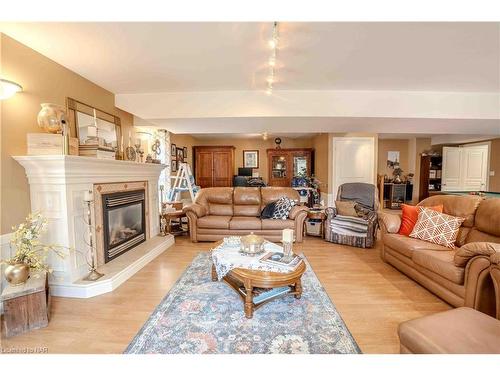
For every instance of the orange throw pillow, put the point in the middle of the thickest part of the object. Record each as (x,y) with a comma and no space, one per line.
(410,216)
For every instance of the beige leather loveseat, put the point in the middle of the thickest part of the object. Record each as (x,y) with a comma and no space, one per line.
(223,211)
(434,266)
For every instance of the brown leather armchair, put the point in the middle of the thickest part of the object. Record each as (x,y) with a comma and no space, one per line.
(225,211)
(459,276)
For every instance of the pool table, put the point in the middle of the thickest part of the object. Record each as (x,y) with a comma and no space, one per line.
(486,194)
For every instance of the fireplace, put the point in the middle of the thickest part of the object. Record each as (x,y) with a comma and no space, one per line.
(124,222)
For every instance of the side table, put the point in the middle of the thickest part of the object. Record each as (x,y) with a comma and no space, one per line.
(27,306)
(173,222)
(316,215)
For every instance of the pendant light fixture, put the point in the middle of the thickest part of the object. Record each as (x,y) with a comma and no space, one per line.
(273,44)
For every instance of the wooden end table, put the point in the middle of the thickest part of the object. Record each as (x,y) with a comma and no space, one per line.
(172,219)
(317,215)
(251,279)
(26,306)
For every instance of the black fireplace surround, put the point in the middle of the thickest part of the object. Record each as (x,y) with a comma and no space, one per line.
(124,222)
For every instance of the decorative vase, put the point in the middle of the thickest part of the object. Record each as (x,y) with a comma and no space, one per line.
(17,274)
(51,118)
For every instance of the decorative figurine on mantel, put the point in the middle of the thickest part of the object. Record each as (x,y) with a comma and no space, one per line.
(138,151)
(157,151)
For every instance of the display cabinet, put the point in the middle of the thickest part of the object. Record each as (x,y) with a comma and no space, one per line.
(286,163)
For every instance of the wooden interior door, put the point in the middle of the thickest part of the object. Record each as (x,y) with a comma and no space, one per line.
(222,168)
(204,168)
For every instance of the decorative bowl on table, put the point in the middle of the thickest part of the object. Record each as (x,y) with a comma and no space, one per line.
(232,241)
(252,244)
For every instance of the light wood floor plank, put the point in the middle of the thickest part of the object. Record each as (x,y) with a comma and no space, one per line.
(372,297)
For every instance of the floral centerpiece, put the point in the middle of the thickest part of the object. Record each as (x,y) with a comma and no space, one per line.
(30,253)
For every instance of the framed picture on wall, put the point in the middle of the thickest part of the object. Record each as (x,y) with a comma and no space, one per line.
(173,150)
(173,165)
(251,158)
(185,151)
(180,154)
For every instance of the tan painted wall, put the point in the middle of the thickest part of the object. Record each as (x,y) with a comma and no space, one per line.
(322,161)
(43,80)
(385,145)
(495,165)
(241,144)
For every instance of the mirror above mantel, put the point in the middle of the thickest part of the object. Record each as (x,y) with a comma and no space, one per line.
(89,124)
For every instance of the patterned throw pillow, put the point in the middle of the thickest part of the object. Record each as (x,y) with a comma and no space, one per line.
(436,227)
(282,208)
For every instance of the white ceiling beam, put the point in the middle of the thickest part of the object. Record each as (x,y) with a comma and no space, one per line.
(309,103)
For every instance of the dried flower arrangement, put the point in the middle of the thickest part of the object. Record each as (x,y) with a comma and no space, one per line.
(28,248)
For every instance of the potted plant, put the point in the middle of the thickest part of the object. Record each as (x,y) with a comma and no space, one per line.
(30,253)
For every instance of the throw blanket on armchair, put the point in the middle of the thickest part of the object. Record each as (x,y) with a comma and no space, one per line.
(349,226)
(361,193)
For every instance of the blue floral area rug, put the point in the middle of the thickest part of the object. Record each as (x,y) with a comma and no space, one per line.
(200,316)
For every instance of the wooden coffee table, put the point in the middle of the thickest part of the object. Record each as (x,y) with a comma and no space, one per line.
(251,279)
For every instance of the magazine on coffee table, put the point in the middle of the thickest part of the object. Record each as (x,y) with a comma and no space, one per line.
(279,258)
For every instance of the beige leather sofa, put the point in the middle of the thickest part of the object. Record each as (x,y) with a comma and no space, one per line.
(433,266)
(223,211)
(458,331)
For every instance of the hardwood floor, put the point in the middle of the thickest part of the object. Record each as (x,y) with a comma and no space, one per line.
(372,297)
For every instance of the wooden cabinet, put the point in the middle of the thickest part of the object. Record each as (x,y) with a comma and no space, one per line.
(214,165)
(286,163)
(430,175)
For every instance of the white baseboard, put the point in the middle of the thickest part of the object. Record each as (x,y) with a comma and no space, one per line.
(112,280)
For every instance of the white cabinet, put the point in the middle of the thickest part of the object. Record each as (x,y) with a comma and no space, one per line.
(465,168)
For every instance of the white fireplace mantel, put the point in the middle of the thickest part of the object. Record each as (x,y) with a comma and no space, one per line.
(69,169)
(57,187)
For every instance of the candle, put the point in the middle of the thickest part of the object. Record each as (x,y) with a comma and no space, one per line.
(88,196)
(287,235)
(95,118)
(92,131)
(129,138)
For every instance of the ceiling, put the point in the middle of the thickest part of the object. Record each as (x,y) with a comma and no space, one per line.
(173,57)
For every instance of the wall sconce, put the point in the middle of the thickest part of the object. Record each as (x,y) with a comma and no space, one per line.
(8,88)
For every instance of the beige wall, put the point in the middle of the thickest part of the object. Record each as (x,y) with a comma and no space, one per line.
(241,144)
(495,165)
(43,81)
(322,161)
(385,145)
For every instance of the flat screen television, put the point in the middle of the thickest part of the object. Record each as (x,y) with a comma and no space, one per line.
(245,172)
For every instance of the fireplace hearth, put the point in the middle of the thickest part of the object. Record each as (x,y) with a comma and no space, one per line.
(124,222)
